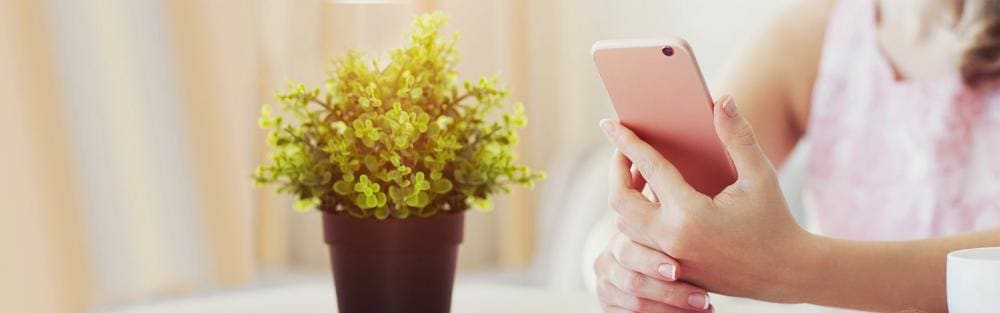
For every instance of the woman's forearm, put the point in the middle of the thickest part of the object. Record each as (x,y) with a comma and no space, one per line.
(880,275)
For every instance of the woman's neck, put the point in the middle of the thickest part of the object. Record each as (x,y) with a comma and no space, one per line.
(923,17)
(917,16)
(924,38)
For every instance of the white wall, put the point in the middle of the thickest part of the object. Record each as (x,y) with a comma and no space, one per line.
(562,76)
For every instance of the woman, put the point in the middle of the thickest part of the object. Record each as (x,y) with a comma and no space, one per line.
(901,102)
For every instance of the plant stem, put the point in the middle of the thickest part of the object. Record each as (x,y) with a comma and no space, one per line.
(460,98)
(321,103)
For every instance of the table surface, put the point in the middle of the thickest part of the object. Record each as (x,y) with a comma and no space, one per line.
(469,297)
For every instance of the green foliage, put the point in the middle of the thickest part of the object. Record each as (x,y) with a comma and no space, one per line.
(400,140)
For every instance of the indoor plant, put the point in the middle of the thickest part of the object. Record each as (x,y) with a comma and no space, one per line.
(393,155)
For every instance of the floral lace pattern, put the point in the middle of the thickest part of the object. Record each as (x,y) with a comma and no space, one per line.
(895,160)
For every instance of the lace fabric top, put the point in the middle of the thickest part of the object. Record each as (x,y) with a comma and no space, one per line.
(891,159)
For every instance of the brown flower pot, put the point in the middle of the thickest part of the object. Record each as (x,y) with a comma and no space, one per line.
(393,265)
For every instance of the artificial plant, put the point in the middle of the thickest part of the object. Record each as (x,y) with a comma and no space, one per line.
(396,140)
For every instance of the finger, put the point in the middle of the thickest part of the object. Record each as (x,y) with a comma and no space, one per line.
(633,233)
(676,294)
(612,296)
(737,135)
(650,195)
(638,182)
(642,259)
(615,309)
(603,262)
(621,197)
(660,175)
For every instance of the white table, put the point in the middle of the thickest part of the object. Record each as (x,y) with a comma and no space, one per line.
(317,296)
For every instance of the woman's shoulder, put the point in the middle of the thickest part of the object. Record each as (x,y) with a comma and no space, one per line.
(798,34)
(805,21)
(772,73)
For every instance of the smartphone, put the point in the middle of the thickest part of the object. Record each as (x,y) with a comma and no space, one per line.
(658,92)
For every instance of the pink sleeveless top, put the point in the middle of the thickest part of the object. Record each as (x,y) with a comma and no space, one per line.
(895,160)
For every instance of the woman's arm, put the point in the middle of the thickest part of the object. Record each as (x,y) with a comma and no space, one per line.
(772,77)
(772,73)
(880,275)
(743,242)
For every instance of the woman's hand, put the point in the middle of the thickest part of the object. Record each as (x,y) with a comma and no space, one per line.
(742,242)
(635,278)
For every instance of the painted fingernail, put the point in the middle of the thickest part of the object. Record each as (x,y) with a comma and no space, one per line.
(729,106)
(668,270)
(608,128)
(698,300)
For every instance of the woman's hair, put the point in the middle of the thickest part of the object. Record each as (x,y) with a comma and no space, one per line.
(981,61)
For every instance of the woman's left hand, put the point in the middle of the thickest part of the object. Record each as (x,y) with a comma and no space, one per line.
(742,242)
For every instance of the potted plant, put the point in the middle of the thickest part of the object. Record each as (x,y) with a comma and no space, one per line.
(393,156)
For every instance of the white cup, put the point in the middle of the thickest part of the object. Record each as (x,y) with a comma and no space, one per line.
(974,280)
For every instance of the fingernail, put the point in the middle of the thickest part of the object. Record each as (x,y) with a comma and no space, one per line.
(729,106)
(698,300)
(668,270)
(608,128)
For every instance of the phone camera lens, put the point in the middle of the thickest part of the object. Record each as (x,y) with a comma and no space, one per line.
(668,51)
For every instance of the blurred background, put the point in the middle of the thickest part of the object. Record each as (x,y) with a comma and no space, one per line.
(130,134)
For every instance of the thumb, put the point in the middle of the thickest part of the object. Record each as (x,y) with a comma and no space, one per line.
(741,143)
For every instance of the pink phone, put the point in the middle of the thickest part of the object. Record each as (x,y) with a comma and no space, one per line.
(658,92)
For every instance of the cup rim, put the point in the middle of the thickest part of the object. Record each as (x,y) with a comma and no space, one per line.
(981,254)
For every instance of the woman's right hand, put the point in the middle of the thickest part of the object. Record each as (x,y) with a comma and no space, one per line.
(634,278)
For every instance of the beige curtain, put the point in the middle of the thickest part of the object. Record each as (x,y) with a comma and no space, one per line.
(41,259)
(131,133)
(129,128)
